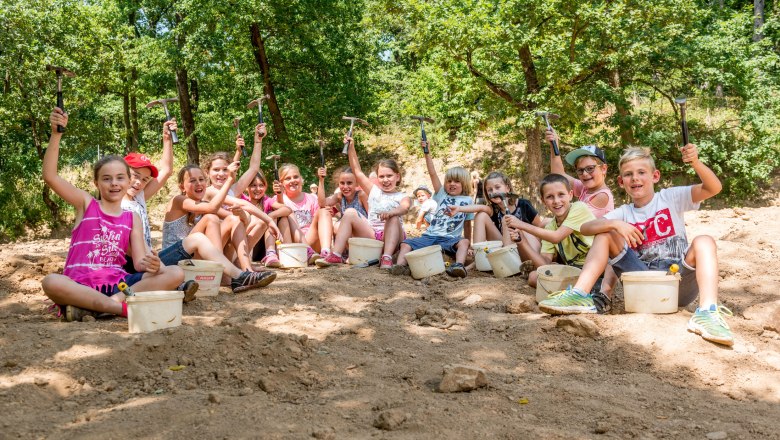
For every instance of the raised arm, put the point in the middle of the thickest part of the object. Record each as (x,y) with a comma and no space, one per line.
(556,163)
(710,184)
(435,182)
(165,169)
(362,179)
(215,202)
(321,173)
(70,193)
(254,162)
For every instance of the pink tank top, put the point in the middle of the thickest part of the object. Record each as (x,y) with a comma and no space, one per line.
(97,248)
(586,197)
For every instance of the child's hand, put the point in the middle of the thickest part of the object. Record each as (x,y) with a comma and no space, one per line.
(241,214)
(425,144)
(58,117)
(274,230)
(550,136)
(260,131)
(348,138)
(630,233)
(240,144)
(515,235)
(234,167)
(512,222)
(169,126)
(151,262)
(690,154)
(322,172)
(385,216)
(277,187)
(452,210)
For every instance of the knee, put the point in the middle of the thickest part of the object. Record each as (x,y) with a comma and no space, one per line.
(349,213)
(481,216)
(49,283)
(405,248)
(210,218)
(704,242)
(174,273)
(463,243)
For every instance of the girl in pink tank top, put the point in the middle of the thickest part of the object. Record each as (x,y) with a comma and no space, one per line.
(103,235)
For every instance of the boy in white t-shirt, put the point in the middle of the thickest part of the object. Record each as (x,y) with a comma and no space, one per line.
(649,234)
(427,206)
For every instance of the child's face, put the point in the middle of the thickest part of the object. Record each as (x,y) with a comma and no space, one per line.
(291,182)
(257,189)
(387,179)
(454,187)
(347,184)
(557,198)
(218,173)
(590,172)
(112,181)
(194,184)
(139,178)
(638,178)
(422,196)
(496,186)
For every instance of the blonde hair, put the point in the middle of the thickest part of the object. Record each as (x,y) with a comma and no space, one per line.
(286,168)
(636,153)
(459,174)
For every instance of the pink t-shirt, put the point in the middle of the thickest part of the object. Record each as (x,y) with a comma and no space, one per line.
(583,195)
(97,248)
(304,210)
(266,201)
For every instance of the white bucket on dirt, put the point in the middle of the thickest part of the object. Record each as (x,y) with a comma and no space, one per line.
(554,277)
(480,256)
(155,310)
(293,255)
(505,261)
(207,274)
(363,250)
(651,291)
(425,262)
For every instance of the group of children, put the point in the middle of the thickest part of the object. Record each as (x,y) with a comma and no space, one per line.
(229,219)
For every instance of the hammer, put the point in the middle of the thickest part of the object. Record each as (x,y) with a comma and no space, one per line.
(164,104)
(351,120)
(423,119)
(321,143)
(236,123)
(275,158)
(547,116)
(60,71)
(259,103)
(683,123)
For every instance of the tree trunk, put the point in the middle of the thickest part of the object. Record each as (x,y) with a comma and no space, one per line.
(126,120)
(622,108)
(535,163)
(134,109)
(268,87)
(758,19)
(182,86)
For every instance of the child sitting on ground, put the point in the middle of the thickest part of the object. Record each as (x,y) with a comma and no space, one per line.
(562,240)
(649,234)
(427,207)
(103,235)
(277,211)
(447,222)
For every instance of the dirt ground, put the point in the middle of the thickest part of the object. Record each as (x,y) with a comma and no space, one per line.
(326,353)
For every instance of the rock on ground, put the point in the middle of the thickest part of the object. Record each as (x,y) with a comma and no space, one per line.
(520,305)
(390,420)
(458,378)
(765,314)
(577,325)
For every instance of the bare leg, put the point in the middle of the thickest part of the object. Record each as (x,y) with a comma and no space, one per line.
(255,231)
(463,249)
(405,249)
(210,225)
(167,278)
(703,255)
(63,290)
(484,229)
(199,245)
(351,225)
(239,240)
(605,245)
(392,235)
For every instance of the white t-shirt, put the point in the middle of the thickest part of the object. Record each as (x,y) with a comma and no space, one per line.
(428,207)
(138,205)
(442,225)
(661,222)
(379,202)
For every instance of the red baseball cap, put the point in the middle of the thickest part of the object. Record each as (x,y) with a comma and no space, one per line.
(138,160)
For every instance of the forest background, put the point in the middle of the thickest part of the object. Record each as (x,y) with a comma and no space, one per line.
(480,68)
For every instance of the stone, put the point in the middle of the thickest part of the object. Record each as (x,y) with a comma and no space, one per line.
(717,435)
(390,419)
(767,315)
(214,398)
(324,434)
(88,318)
(579,326)
(520,305)
(266,384)
(459,378)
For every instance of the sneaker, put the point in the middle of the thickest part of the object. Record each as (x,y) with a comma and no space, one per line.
(399,269)
(569,301)
(190,288)
(386,262)
(709,323)
(73,313)
(271,260)
(456,270)
(602,302)
(311,256)
(329,260)
(252,280)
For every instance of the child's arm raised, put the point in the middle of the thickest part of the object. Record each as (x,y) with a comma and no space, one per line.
(321,199)
(70,193)
(254,162)
(710,184)
(435,182)
(165,169)
(556,163)
(354,163)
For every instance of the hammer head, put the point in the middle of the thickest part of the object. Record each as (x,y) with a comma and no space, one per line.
(273,157)
(255,102)
(352,118)
(547,115)
(236,121)
(60,70)
(423,119)
(163,102)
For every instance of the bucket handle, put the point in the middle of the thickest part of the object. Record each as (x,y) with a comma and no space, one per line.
(304,262)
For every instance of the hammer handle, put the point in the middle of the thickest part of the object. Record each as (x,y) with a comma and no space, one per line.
(259,113)
(60,128)
(346,144)
(425,139)
(555,147)
(174,138)
(683,125)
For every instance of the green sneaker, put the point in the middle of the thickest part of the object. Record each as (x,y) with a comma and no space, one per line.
(709,323)
(569,301)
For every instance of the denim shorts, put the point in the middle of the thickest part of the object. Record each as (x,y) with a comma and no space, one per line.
(628,261)
(174,253)
(448,244)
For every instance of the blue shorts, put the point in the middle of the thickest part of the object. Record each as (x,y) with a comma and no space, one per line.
(628,261)
(448,244)
(174,253)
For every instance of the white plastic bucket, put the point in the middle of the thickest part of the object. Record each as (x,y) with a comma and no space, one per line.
(293,255)
(554,277)
(207,274)
(651,291)
(363,250)
(150,311)
(425,262)
(505,261)
(480,256)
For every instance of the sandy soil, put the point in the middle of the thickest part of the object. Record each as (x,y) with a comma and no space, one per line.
(325,353)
